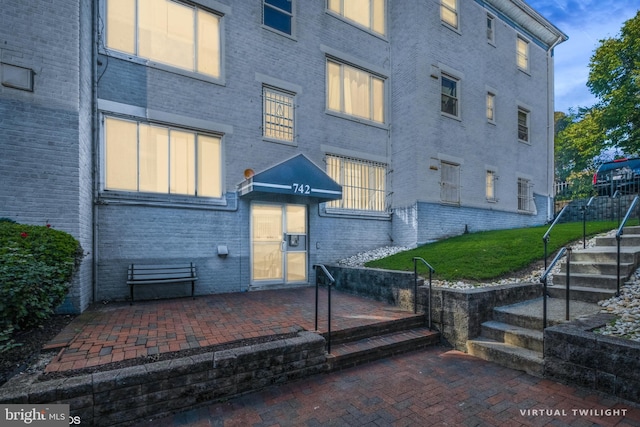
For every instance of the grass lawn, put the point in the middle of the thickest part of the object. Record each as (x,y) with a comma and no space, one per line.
(489,255)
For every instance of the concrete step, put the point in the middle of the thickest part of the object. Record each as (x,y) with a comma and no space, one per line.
(529,314)
(375,329)
(508,355)
(514,335)
(631,230)
(602,281)
(581,293)
(366,350)
(607,254)
(626,240)
(606,268)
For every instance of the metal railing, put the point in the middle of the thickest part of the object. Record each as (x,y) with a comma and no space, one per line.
(544,279)
(619,238)
(332,281)
(546,236)
(415,286)
(584,209)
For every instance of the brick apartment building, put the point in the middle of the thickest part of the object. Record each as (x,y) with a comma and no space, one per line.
(257,138)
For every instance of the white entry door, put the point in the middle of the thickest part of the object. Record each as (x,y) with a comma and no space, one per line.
(278,243)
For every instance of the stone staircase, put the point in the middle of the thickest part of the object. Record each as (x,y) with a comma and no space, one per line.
(514,337)
(356,346)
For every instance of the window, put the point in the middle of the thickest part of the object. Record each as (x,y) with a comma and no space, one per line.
(522,54)
(363,183)
(450,182)
(490,186)
(449,12)
(355,92)
(368,13)
(278,109)
(165,31)
(449,98)
(491,36)
(491,107)
(278,14)
(523,125)
(141,157)
(525,199)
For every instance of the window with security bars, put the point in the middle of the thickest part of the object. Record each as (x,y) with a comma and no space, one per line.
(523,125)
(363,183)
(490,186)
(449,182)
(525,195)
(278,116)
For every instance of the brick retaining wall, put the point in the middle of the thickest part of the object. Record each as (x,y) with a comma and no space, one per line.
(129,395)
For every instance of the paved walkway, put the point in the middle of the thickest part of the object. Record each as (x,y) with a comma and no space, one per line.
(119,331)
(435,387)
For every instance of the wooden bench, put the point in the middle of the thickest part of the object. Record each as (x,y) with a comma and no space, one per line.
(141,274)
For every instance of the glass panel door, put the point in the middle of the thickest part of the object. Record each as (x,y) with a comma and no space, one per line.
(266,241)
(279,243)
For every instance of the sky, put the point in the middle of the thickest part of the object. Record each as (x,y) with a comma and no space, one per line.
(586,22)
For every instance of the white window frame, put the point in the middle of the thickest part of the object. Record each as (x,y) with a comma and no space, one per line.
(491,179)
(449,182)
(266,5)
(364,184)
(340,105)
(279,126)
(491,29)
(525,195)
(524,130)
(446,10)
(491,107)
(522,53)
(196,172)
(337,7)
(455,98)
(134,55)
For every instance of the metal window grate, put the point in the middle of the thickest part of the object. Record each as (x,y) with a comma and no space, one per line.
(363,183)
(278,115)
(525,199)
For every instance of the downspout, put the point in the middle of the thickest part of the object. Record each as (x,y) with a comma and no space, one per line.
(550,130)
(94,145)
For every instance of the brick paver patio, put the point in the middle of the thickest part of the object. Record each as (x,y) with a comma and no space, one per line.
(118,331)
(432,387)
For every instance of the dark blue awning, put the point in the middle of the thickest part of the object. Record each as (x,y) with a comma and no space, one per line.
(298,177)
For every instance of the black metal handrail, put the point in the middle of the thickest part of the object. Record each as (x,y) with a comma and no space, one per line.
(332,281)
(584,209)
(619,238)
(546,236)
(544,278)
(415,286)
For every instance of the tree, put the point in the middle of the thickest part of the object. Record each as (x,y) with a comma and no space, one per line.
(614,78)
(613,123)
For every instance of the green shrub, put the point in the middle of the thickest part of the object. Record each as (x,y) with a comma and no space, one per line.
(36,267)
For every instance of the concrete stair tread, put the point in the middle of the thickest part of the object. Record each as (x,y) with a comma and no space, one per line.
(365,350)
(511,356)
(607,249)
(525,353)
(505,327)
(529,314)
(583,289)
